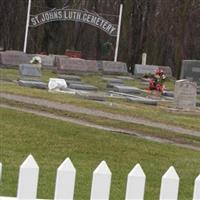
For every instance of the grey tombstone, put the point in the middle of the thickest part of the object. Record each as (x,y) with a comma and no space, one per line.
(31,76)
(191,70)
(65,64)
(110,67)
(13,58)
(141,70)
(82,86)
(47,61)
(185,95)
(112,80)
(167,70)
(30,71)
(126,89)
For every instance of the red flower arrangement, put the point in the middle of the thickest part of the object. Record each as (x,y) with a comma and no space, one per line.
(156,82)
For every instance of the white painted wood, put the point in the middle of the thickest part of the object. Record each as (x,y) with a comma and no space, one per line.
(65,181)
(169,185)
(135,184)
(12,198)
(196,194)
(101,182)
(118,32)
(28,179)
(0,171)
(27,25)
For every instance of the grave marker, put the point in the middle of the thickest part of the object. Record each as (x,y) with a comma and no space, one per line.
(13,58)
(28,71)
(191,70)
(109,67)
(65,64)
(141,70)
(31,76)
(185,94)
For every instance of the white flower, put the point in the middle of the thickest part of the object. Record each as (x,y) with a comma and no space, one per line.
(163,76)
(36,60)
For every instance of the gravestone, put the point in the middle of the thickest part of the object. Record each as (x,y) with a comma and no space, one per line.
(13,58)
(126,89)
(112,80)
(47,61)
(30,71)
(167,70)
(191,70)
(57,84)
(82,86)
(65,64)
(31,76)
(141,70)
(185,95)
(110,67)
(70,77)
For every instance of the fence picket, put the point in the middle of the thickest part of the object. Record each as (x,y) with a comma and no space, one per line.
(169,185)
(65,181)
(28,179)
(101,182)
(135,184)
(196,195)
(0,171)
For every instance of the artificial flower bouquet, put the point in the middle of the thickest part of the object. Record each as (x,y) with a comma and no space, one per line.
(156,82)
(36,60)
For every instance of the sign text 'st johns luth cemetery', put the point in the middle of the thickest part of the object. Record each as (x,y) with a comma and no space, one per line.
(74,15)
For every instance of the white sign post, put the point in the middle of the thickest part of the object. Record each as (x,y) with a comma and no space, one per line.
(118,32)
(27,25)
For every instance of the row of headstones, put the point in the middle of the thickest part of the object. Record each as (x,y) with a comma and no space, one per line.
(190,70)
(64,63)
(185,91)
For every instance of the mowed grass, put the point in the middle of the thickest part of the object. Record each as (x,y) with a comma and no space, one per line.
(51,141)
(160,113)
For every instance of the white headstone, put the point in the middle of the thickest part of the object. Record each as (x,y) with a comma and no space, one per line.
(57,84)
(185,94)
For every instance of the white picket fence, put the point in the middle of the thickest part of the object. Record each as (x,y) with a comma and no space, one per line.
(101,182)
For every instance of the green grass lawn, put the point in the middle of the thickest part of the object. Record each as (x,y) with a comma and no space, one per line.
(154,113)
(51,141)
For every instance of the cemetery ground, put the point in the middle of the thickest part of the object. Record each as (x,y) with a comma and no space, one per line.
(52,140)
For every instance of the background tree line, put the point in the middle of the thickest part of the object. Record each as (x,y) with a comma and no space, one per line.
(167,30)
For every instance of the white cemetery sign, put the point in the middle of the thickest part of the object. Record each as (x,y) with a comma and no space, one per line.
(74,15)
(84,16)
